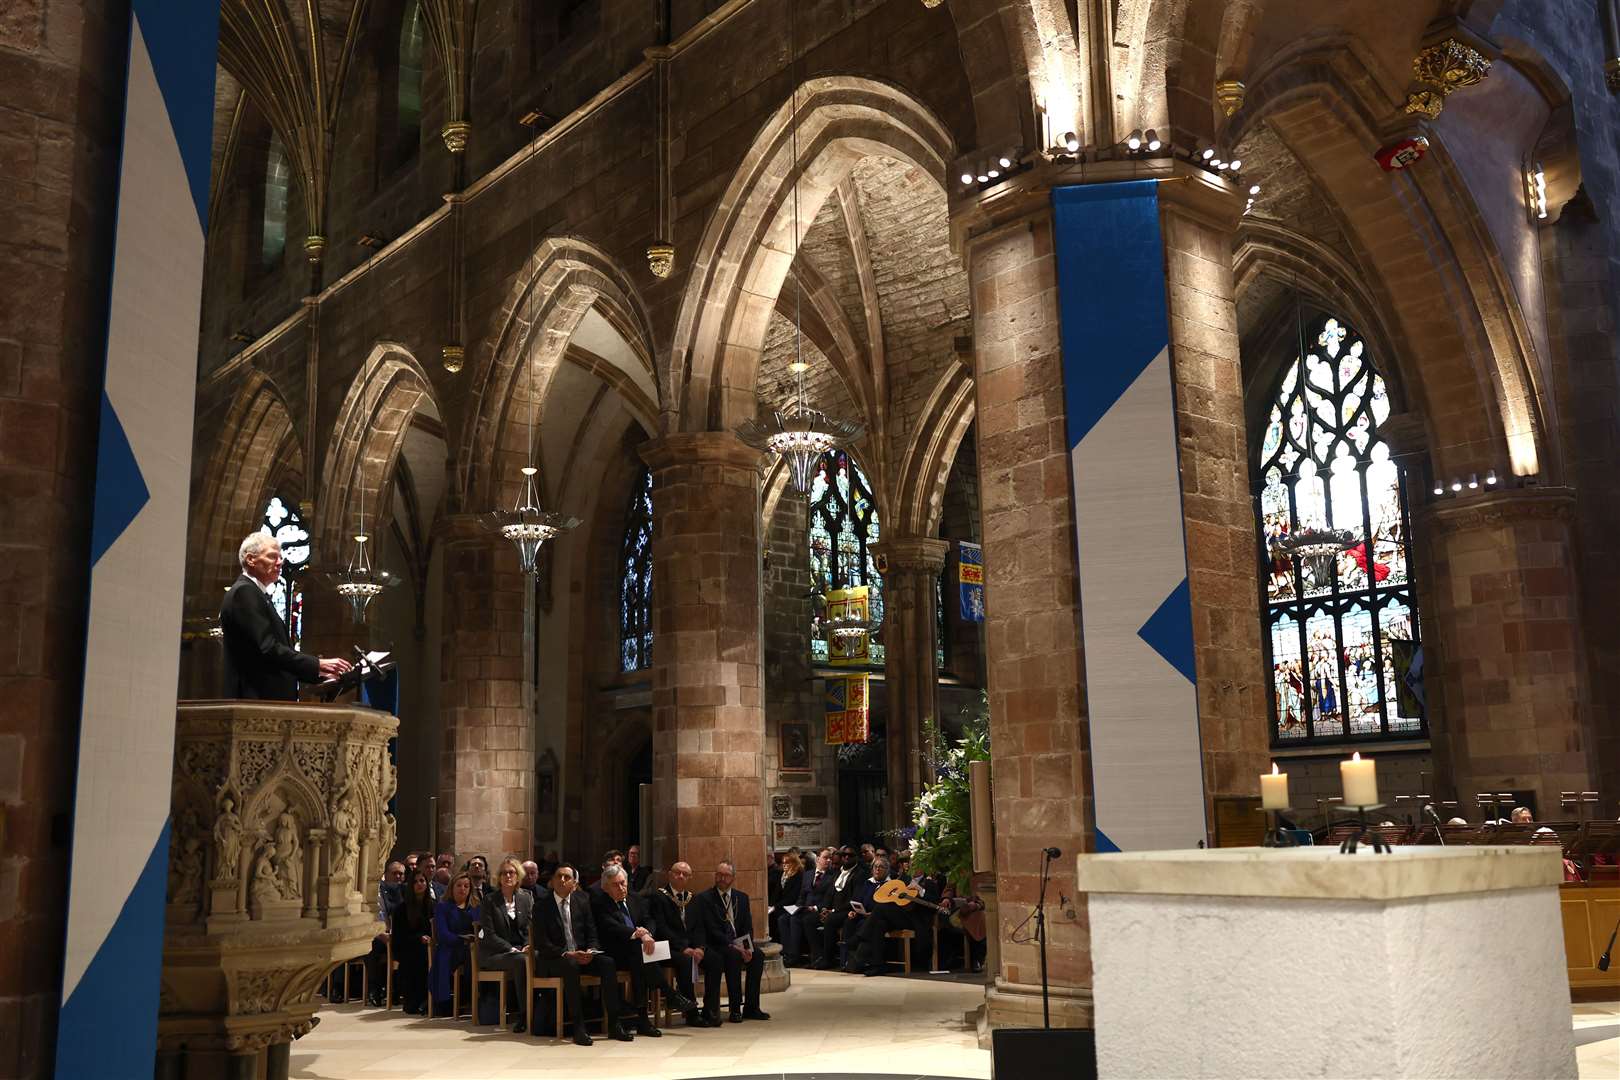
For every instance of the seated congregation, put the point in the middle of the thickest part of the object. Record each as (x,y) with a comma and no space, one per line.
(468,942)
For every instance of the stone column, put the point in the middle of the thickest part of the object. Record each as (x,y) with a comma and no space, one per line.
(486,778)
(911,666)
(707,697)
(1198,221)
(1037,727)
(1504,667)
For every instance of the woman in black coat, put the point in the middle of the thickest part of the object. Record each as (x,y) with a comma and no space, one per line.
(411,924)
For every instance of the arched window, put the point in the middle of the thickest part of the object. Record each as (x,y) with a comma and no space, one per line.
(277,176)
(635,582)
(409,108)
(843,526)
(282,521)
(1340,649)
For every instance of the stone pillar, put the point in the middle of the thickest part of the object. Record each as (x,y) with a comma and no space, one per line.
(486,778)
(708,713)
(1198,221)
(1505,647)
(1037,729)
(911,665)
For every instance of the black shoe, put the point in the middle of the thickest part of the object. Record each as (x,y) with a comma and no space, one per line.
(736,1017)
(646,1028)
(582,1038)
(683,1004)
(519,1028)
(869,972)
(756,1014)
(617,1032)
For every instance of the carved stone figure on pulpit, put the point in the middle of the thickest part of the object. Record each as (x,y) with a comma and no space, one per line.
(227,841)
(265,888)
(186,861)
(289,857)
(346,832)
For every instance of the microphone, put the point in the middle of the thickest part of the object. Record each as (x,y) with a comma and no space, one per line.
(1439,826)
(1053,853)
(1603,961)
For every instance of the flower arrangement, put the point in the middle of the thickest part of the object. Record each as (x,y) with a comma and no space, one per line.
(943,842)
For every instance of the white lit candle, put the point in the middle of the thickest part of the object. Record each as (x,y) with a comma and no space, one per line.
(1274,790)
(1360,781)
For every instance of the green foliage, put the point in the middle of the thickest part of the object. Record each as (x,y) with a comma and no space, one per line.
(942,817)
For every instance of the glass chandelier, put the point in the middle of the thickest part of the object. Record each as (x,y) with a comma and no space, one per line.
(798,432)
(527,526)
(1318,550)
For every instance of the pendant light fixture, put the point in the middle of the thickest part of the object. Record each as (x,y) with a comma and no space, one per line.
(527,525)
(798,432)
(360,582)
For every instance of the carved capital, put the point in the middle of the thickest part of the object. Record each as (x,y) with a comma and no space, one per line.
(923,554)
(1444,68)
(1230,94)
(452,357)
(698,448)
(1499,510)
(661,259)
(314,247)
(455,135)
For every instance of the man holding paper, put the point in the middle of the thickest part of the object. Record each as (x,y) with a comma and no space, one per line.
(728,926)
(635,941)
(565,946)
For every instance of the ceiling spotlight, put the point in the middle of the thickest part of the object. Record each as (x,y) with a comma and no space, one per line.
(1490,478)
(967,178)
(1254,189)
(983,178)
(1220,165)
(994,173)
(1473,482)
(1208,152)
(1134,140)
(1071,141)
(1153,142)
(1237,163)
(1006,162)
(1456,485)
(1439,489)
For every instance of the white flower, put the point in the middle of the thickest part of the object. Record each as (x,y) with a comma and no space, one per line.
(922,822)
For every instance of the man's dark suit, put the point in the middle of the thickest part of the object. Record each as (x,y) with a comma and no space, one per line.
(816,896)
(684,924)
(260,661)
(501,940)
(625,950)
(550,943)
(718,934)
(838,903)
(639,877)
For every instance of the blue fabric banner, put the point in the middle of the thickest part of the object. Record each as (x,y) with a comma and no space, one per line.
(970,578)
(1135,610)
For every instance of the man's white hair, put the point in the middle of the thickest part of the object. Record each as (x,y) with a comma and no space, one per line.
(252,544)
(612,870)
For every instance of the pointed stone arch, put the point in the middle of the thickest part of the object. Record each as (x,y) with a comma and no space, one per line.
(256,438)
(563,279)
(746,250)
(365,443)
(927,466)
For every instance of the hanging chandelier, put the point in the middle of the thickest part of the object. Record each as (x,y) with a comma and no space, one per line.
(527,526)
(359,582)
(1318,550)
(798,432)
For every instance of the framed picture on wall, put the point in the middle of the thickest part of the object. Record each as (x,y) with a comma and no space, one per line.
(795,740)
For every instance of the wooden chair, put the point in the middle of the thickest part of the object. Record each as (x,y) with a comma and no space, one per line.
(455,981)
(554,983)
(348,983)
(390,965)
(479,978)
(904,937)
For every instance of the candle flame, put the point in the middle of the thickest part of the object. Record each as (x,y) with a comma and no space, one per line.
(1356,756)
(1273,768)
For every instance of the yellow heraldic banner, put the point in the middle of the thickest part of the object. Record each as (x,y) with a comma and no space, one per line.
(848,712)
(848,650)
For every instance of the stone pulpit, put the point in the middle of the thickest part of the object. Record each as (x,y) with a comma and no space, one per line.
(280,828)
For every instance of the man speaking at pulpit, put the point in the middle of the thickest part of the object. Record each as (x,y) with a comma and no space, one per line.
(260,661)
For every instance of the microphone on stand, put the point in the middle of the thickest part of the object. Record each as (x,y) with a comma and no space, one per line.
(1603,961)
(1053,853)
(1439,827)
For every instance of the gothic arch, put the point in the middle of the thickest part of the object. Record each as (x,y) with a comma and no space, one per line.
(927,466)
(744,256)
(1427,260)
(1024,59)
(563,279)
(256,437)
(365,444)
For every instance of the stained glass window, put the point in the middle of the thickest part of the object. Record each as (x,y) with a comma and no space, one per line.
(635,581)
(1341,649)
(282,521)
(843,526)
(410,79)
(277,177)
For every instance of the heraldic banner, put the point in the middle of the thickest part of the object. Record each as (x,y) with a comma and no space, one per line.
(849,717)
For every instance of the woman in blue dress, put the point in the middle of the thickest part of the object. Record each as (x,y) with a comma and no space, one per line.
(455,915)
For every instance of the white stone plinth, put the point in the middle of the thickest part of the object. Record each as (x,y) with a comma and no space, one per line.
(1303,962)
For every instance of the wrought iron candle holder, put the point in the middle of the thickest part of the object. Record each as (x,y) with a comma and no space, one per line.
(1276,835)
(1362,833)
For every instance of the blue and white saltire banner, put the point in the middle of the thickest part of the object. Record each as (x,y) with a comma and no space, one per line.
(114,948)
(1141,685)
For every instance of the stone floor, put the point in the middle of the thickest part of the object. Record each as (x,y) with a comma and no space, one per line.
(827,1024)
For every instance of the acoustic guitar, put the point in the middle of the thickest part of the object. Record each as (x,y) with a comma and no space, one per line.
(896,892)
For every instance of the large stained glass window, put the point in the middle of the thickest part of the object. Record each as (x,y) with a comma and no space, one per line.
(843,527)
(635,580)
(282,521)
(1341,649)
